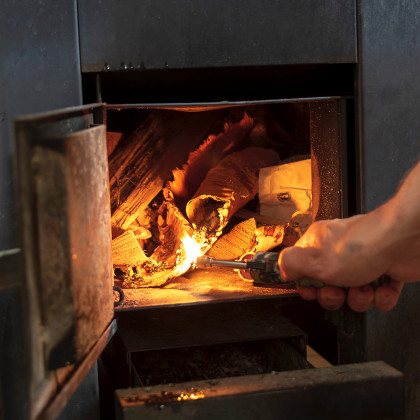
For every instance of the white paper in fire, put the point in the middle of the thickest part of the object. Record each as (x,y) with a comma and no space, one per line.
(285,189)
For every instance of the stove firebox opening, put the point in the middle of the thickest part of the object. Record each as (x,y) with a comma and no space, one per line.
(221,181)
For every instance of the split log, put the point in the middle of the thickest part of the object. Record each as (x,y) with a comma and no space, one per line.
(126,251)
(227,188)
(240,240)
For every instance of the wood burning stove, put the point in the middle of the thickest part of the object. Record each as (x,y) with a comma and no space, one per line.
(66,225)
(164,57)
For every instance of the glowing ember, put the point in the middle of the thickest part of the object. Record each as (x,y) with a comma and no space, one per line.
(187,396)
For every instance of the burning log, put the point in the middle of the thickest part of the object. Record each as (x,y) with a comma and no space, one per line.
(227,188)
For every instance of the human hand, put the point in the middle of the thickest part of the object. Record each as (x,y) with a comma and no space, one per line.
(342,253)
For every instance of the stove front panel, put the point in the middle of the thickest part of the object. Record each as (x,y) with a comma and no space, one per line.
(201,34)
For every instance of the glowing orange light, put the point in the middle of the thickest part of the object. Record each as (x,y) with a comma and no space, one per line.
(196,396)
(192,250)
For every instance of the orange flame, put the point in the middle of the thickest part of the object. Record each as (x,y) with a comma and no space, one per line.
(192,250)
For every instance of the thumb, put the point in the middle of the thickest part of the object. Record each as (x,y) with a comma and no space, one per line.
(296,262)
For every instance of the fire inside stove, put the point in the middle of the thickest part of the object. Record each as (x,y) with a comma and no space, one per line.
(225,182)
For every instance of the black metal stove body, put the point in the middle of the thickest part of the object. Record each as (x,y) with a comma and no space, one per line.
(156,52)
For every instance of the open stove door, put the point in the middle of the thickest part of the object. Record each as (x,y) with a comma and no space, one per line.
(63,206)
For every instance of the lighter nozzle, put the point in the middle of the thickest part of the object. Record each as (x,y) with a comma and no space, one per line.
(203,262)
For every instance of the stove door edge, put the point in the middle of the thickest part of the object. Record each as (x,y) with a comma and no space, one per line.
(64,220)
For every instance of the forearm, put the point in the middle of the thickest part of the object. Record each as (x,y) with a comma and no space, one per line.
(384,240)
(404,207)
(402,216)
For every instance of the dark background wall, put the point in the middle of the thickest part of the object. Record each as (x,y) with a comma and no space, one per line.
(389,133)
(39,71)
